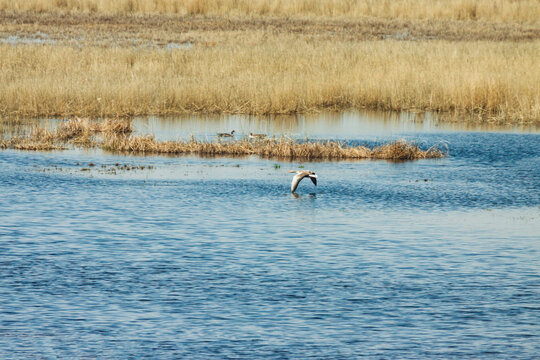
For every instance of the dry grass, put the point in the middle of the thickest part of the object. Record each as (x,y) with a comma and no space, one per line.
(89,29)
(109,61)
(490,10)
(272,148)
(274,74)
(38,140)
(115,136)
(78,132)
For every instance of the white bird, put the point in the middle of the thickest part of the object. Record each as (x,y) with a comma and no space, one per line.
(300,175)
(226,134)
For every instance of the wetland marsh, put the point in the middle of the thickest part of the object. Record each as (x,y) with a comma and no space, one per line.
(121,256)
(130,229)
(100,65)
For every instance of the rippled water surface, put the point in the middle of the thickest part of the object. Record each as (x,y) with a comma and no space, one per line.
(213,257)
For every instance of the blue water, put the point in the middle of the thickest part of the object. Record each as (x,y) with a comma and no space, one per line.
(213,258)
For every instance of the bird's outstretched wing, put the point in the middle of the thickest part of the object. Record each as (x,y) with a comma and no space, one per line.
(296,180)
(299,176)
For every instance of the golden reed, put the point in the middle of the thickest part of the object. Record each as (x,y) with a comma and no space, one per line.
(486,10)
(115,135)
(275,74)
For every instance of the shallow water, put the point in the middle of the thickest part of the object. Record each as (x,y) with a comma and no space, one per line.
(38,39)
(199,258)
(358,125)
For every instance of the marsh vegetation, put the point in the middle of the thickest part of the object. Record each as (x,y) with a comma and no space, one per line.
(280,75)
(116,136)
(498,10)
(99,58)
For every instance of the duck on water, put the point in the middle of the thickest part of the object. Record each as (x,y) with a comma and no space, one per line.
(231,134)
(256,136)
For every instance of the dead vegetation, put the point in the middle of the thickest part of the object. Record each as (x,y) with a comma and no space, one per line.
(95,58)
(492,10)
(159,31)
(281,148)
(115,136)
(279,74)
(77,132)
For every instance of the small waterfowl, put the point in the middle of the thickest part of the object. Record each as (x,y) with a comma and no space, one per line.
(256,136)
(226,134)
(299,176)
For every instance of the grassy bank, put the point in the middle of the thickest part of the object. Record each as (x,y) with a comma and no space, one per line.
(274,74)
(487,10)
(116,136)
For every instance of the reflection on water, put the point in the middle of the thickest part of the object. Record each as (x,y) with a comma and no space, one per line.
(190,257)
(348,125)
(358,125)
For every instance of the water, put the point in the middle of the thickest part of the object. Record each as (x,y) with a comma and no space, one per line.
(38,39)
(342,126)
(213,258)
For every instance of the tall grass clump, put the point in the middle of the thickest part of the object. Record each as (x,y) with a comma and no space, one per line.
(274,75)
(486,10)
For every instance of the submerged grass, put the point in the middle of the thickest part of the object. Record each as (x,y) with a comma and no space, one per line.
(115,136)
(274,74)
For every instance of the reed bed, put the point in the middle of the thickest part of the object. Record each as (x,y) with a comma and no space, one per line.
(79,129)
(274,74)
(79,132)
(115,136)
(498,10)
(282,148)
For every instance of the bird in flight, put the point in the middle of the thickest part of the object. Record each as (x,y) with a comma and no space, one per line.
(300,175)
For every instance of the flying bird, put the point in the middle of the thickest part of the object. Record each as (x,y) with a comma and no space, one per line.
(226,134)
(299,176)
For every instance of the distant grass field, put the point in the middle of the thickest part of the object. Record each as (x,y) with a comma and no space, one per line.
(125,58)
(486,10)
(279,74)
